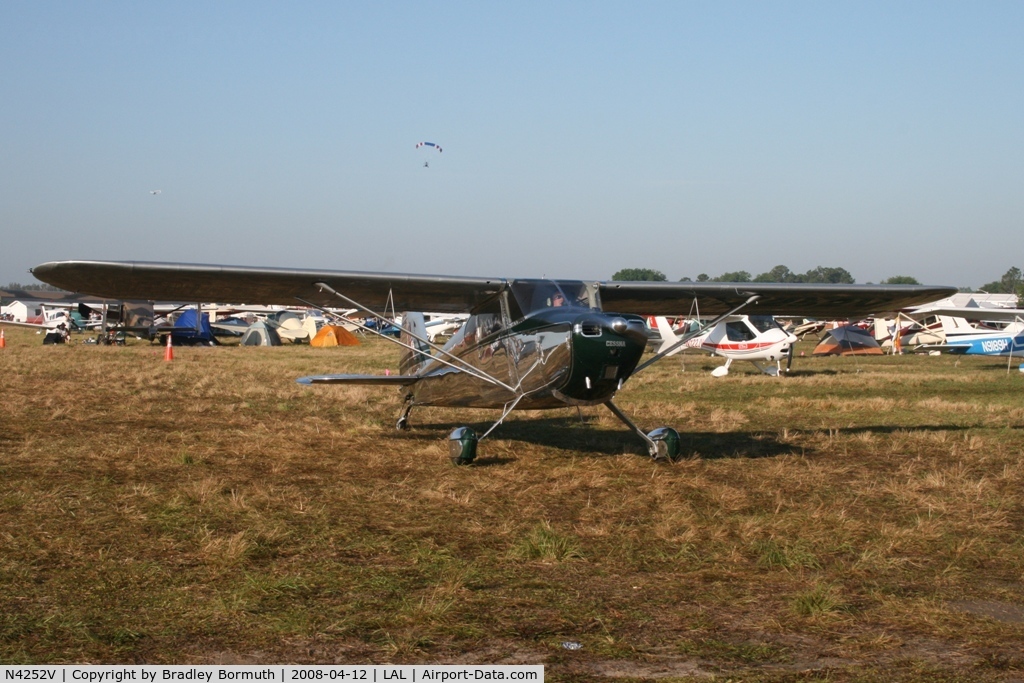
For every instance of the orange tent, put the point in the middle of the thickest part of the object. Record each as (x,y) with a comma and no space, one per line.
(334,335)
(847,341)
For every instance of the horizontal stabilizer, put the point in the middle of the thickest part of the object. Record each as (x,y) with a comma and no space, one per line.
(944,348)
(378,380)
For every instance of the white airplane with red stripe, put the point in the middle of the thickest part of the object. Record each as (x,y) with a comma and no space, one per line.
(740,337)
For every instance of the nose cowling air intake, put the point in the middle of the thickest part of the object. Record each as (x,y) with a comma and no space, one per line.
(605,350)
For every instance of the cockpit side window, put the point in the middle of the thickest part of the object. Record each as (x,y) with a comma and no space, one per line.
(738,331)
(485,320)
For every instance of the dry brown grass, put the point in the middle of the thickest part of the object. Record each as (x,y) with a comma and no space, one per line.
(860,519)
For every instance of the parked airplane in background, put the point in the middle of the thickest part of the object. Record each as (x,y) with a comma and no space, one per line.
(965,338)
(1006,342)
(527,344)
(741,337)
(50,316)
(440,326)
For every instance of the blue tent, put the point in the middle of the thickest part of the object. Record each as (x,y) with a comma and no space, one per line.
(185,333)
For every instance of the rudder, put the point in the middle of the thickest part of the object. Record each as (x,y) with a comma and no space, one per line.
(417,353)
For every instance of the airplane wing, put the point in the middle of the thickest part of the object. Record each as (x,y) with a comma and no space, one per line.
(235,329)
(39,326)
(971,313)
(282,286)
(454,294)
(776,298)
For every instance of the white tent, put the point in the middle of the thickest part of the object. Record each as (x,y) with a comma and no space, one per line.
(260,334)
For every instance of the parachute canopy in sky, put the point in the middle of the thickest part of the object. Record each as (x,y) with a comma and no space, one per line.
(428,144)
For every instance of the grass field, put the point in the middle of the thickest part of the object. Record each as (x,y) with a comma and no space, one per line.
(860,519)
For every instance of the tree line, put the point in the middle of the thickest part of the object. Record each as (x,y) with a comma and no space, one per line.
(35,286)
(1011,283)
(821,274)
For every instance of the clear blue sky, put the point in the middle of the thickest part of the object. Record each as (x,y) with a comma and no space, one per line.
(579,138)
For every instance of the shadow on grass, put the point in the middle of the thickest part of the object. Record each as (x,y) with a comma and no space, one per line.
(716,446)
(566,432)
(1014,368)
(569,434)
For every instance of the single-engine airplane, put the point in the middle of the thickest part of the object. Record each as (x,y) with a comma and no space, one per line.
(963,338)
(1005,342)
(528,343)
(740,337)
(48,319)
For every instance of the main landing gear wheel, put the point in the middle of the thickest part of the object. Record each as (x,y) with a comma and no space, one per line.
(665,444)
(462,446)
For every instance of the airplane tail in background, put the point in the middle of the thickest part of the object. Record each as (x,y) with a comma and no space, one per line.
(883,332)
(412,361)
(953,325)
(668,335)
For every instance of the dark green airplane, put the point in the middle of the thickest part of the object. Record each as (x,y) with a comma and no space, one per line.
(527,343)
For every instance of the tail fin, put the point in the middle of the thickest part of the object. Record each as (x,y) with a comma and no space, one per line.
(412,361)
(668,335)
(882,330)
(953,324)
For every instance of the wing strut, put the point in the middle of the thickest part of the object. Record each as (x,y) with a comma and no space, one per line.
(459,364)
(509,407)
(1013,338)
(690,335)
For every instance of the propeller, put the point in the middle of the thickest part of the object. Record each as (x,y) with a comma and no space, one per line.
(789,357)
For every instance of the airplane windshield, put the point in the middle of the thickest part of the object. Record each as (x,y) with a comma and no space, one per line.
(763,323)
(535,295)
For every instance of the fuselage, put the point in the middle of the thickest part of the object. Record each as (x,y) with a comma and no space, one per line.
(1007,342)
(49,318)
(543,355)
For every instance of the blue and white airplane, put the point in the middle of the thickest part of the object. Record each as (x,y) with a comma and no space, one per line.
(1006,342)
(961,339)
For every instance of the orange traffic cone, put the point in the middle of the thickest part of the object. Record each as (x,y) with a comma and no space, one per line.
(169,350)
(3,341)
